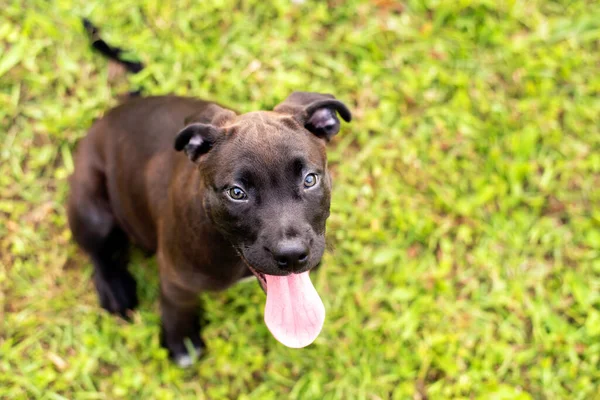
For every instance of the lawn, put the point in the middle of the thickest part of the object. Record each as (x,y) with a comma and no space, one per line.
(464,240)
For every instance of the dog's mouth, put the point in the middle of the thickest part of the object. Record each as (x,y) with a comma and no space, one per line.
(294,312)
(259,275)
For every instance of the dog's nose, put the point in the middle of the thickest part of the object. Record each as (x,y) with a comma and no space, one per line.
(291,255)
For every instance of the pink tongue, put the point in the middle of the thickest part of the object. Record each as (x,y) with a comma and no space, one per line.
(294,312)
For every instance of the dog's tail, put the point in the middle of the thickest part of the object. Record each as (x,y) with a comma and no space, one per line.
(115,54)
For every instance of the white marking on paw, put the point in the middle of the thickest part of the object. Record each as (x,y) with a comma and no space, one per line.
(184,361)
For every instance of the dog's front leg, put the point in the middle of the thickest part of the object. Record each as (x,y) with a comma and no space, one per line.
(180,313)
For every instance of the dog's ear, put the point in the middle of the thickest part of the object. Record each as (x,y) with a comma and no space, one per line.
(196,139)
(316,112)
(202,130)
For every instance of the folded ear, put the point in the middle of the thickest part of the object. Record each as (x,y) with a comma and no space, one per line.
(316,112)
(202,130)
(197,139)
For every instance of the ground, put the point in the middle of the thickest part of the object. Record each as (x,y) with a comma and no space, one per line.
(464,238)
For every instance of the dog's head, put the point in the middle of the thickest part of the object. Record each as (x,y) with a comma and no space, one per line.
(265,176)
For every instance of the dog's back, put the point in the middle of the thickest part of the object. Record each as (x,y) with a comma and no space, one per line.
(130,145)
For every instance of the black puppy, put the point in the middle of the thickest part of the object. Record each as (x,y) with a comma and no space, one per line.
(217,196)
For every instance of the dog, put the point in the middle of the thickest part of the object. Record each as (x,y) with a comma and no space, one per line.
(217,196)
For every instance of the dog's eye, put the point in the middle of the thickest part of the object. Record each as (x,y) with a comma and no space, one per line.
(310,180)
(237,194)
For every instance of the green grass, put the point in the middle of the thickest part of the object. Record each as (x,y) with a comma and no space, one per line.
(465,227)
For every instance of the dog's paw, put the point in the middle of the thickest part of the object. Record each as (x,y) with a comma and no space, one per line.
(186,360)
(184,352)
(118,294)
